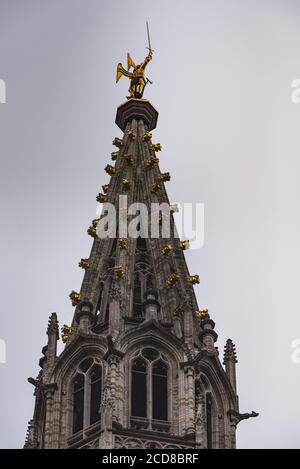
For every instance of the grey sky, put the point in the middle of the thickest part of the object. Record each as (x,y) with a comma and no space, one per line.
(222,74)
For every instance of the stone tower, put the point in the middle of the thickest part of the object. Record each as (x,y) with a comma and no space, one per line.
(140,368)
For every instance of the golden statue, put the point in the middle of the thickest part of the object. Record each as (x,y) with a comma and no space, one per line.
(137,76)
(138,81)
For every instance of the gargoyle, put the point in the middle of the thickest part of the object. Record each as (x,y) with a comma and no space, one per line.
(236,417)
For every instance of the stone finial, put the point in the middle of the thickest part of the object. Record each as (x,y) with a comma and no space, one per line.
(208,335)
(230,360)
(151,305)
(31,441)
(84,315)
(53,326)
(50,350)
(230,352)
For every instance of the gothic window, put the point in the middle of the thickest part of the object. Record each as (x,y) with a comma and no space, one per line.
(137,297)
(141,244)
(98,309)
(87,387)
(149,282)
(85,365)
(143,277)
(95,377)
(139,388)
(142,283)
(209,420)
(103,300)
(160,390)
(106,302)
(150,354)
(149,386)
(113,248)
(78,402)
(106,316)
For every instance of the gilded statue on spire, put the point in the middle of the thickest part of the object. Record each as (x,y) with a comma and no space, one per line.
(138,81)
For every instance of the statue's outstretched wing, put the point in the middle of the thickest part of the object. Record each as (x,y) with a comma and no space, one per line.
(121,71)
(130,62)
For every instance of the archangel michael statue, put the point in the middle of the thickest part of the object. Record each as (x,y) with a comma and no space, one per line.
(138,81)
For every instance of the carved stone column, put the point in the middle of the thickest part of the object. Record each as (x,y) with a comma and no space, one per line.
(188,320)
(113,363)
(177,326)
(84,316)
(190,415)
(106,410)
(109,409)
(208,336)
(200,417)
(49,390)
(151,306)
(114,308)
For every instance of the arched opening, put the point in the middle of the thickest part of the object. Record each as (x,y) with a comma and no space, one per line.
(149,282)
(86,393)
(78,402)
(160,390)
(139,388)
(106,316)
(137,297)
(98,309)
(150,389)
(95,380)
(105,301)
(141,244)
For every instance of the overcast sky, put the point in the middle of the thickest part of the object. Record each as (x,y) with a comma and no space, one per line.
(222,74)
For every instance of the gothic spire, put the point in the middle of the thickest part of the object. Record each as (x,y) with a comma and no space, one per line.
(230,352)
(230,360)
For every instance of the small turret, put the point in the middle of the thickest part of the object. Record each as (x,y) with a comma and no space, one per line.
(208,335)
(53,337)
(84,316)
(151,306)
(230,360)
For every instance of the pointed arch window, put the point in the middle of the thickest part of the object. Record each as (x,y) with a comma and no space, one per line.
(160,390)
(78,402)
(106,316)
(139,388)
(86,393)
(143,279)
(95,401)
(149,281)
(149,386)
(98,309)
(137,297)
(103,300)
(141,244)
